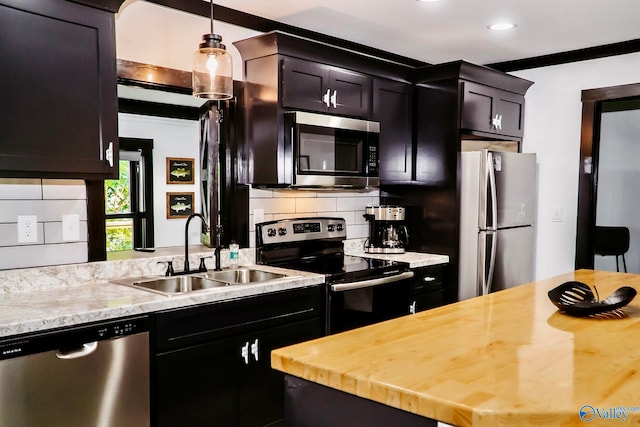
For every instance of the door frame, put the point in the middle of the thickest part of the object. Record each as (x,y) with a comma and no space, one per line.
(592,100)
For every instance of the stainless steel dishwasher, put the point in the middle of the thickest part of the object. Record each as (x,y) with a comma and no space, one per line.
(91,375)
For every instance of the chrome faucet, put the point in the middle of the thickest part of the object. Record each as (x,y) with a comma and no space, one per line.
(186,243)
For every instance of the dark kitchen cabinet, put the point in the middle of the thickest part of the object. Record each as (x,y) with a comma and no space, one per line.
(427,290)
(211,363)
(58,110)
(492,110)
(307,85)
(393,108)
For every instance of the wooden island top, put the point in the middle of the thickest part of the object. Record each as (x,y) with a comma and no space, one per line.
(504,359)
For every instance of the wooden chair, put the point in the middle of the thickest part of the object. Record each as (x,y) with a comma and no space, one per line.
(609,241)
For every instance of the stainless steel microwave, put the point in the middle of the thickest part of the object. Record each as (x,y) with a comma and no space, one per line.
(332,151)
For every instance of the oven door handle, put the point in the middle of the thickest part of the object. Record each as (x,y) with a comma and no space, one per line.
(341,287)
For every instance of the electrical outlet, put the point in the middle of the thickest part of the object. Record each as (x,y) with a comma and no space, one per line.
(70,228)
(27,229)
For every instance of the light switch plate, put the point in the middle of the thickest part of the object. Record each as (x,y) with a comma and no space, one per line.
(557,214)
(27,229)
(70,228)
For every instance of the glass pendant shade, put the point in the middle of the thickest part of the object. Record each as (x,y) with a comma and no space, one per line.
(212,69)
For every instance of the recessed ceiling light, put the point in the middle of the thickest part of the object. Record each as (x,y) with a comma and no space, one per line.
(502,26)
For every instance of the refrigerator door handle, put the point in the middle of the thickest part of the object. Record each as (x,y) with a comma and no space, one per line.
(492,261)
(486,250)
(491,175)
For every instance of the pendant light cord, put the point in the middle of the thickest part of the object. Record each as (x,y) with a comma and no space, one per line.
(211,4)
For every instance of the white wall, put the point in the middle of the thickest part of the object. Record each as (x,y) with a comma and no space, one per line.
(171,138)
(552,130)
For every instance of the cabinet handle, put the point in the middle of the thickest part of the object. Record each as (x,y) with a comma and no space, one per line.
(325,98)
(245,353)
(254,349)
(429,279)
(412,308)
(334,99)
(108,154)
(496,121)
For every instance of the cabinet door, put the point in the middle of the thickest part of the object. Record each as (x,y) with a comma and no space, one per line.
(58,109)
(261,393)
(197,386)
(428,286)
(393,108)
(491,110)
(510,108)
(478,107)
(305,85)
(350,93)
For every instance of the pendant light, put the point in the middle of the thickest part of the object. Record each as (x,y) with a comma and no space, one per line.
(212,68)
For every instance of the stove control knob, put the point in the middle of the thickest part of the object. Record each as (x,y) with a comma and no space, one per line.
(282,231)
(331,227)
(271,232)
(339,227)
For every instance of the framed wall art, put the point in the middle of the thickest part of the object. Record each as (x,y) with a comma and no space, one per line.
(179,170)
(179,205)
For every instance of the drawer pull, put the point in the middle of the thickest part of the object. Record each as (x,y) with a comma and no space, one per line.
(429,279)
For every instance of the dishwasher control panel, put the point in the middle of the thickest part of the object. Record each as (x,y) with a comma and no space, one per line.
(70,338)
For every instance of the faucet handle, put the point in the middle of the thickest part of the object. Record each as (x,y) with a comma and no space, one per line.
(169,271)
(202,268)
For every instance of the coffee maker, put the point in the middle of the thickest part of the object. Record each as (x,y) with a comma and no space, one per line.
(387,231)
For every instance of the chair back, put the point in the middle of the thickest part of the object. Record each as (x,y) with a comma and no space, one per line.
(611,240)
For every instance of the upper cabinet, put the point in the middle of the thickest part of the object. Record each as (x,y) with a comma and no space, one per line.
(491,110)
(58,110)
(322,88)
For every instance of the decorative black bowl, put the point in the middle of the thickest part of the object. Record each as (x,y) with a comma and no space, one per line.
(577,299)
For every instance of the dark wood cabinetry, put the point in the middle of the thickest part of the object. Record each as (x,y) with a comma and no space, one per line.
(393,108)
(428,290)
(211,363)
(58,110)
(492,110)
(312,86)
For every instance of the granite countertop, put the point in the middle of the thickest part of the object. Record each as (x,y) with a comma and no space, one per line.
(414,259)
(39,299)
(507,358)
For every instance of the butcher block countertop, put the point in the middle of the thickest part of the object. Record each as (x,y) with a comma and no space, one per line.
(505,359)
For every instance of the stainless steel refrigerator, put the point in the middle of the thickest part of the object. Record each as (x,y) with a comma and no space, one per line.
(497,212)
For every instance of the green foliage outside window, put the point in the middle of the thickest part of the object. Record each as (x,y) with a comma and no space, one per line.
(118,200)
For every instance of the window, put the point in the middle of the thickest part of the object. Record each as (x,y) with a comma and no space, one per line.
(129,199)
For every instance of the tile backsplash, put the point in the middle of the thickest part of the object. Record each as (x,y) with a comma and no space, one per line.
(48,200)
(281,204)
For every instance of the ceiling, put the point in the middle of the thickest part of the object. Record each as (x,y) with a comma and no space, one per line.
(449,30)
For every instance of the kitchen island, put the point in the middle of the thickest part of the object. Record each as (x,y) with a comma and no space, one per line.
(508,358)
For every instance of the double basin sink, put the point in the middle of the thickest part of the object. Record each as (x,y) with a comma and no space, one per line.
(201,281)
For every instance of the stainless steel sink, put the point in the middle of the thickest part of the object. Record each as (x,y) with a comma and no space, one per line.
(174,284)
(199,281)
(242,276)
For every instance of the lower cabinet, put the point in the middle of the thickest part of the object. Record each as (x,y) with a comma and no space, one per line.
(427,290)
(223,375)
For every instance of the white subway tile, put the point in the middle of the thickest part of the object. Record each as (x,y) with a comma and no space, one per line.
(9,235)
(315,205)
(272,206)
(64,189)
(357,231)
(258,193)
(252,218)
(53,232)
(45,210)
(252,239)
(294,215)
(294,193)
(41,255)
(20,189)
(354,203)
